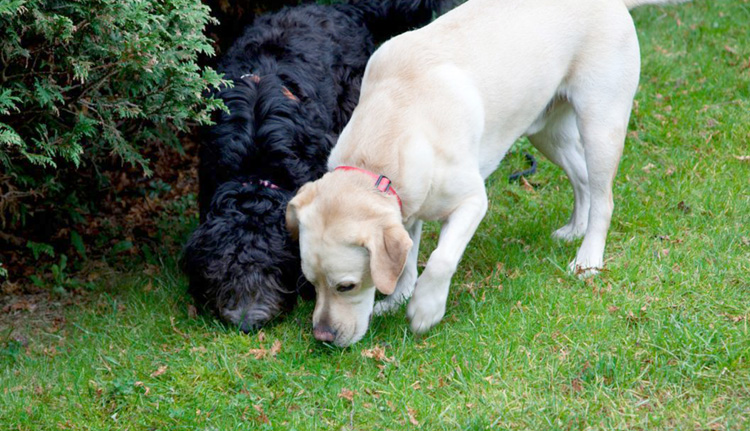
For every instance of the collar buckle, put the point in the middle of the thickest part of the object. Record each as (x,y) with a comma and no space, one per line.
(382,183)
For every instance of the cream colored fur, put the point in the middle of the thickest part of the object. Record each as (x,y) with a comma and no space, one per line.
(439,109)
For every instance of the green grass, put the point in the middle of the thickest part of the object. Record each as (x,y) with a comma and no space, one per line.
(658,341)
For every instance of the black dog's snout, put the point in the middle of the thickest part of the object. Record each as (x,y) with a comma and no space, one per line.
(250,327)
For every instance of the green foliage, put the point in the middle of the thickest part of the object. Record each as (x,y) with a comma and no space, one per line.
(38,249)
(87,81)
(58,279)
(77,242)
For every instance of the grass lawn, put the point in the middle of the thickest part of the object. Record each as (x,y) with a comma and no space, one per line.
(658,341)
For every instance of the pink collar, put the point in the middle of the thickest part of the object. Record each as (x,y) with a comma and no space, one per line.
(270,185)
(264,183)
(382,182)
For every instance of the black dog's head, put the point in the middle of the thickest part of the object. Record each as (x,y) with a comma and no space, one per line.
(241,261)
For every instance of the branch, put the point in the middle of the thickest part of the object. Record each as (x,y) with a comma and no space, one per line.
(12,239)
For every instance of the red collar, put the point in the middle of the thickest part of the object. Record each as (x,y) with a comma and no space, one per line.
(382,182)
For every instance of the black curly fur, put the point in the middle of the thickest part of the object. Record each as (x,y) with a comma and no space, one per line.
(241,262)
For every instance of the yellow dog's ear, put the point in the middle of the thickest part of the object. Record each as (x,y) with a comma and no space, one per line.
(304,196)
(388,253)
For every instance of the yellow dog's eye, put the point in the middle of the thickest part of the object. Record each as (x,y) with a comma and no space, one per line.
(345,287)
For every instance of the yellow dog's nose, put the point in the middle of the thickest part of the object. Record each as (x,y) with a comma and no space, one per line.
(324,333)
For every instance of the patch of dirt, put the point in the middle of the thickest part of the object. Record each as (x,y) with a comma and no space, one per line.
(24,316)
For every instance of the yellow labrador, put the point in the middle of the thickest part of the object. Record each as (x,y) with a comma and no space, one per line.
(439,108)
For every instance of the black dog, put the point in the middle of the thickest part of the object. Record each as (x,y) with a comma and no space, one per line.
(296,78)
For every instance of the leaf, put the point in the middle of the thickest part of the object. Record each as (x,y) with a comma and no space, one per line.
(377,353)
(412,416)
(275,348)
(527,186)
(258,353)
(48,95)
(38,248)
(19,305)
(261,353)
(77,242)
(8,102)
(8,136)
(11,7)
(122,246)
(262,417)
(685,208)
(140,384)
(81,69)
(346,394)
(159,371)
(577,385)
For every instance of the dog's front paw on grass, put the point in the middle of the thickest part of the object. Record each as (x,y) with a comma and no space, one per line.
(585,270)
(425,313)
